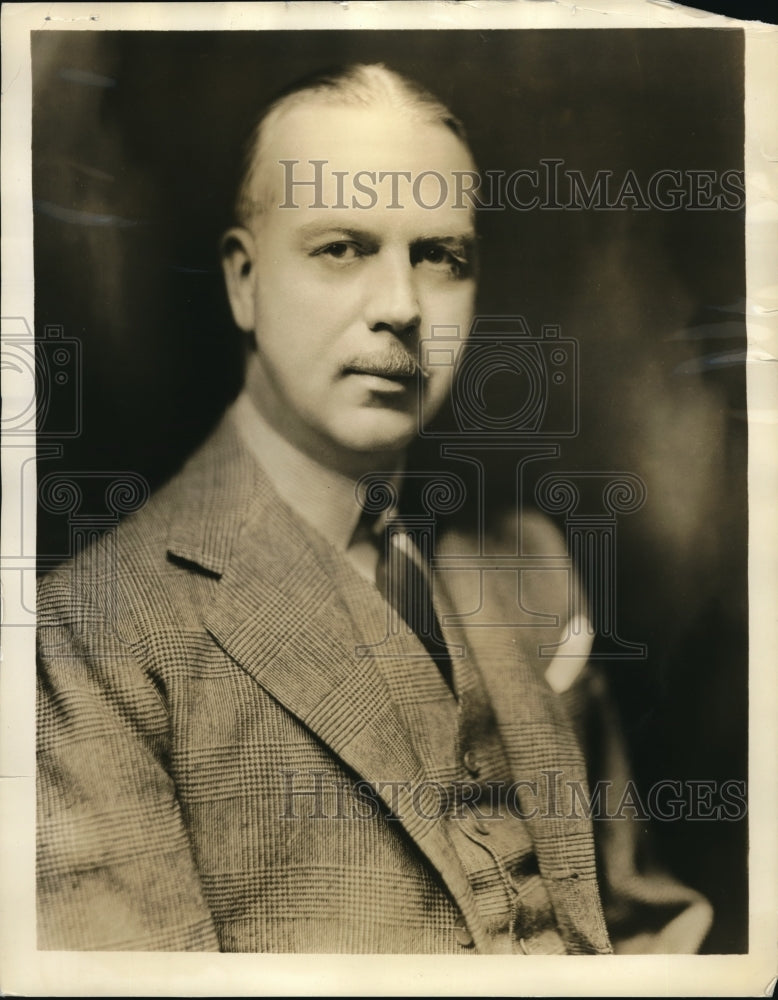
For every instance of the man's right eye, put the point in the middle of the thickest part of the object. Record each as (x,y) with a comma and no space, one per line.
(340,250)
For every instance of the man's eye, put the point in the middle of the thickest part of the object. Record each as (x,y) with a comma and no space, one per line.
(440,258)
(340,250)
(435,255)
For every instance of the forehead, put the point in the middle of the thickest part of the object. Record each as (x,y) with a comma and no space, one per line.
(405,159)
(375,137)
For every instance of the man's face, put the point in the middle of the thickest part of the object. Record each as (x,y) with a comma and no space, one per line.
(339,298)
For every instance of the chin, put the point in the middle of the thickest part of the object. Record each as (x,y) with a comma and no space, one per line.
(367,440)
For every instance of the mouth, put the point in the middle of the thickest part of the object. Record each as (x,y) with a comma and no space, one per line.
(384,385)
(398,368)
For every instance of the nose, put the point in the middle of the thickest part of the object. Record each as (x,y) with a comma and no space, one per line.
(392,298)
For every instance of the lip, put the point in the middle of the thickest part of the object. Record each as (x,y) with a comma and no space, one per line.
(384,381)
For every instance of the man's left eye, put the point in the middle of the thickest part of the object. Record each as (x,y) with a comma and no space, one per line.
(440,258)
(435,255)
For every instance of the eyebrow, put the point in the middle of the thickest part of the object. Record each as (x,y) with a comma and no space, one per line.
(465,239)
(316,229)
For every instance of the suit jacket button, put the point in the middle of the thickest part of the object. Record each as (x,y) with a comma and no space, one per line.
(472,762)
(462,934)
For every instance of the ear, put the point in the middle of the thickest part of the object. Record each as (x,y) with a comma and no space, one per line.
(238,253)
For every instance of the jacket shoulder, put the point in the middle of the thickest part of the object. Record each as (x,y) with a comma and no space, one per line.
(129,574)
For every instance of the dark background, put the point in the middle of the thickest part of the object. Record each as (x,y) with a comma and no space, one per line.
(136,141)
(745,10)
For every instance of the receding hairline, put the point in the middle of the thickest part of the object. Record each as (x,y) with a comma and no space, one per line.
(365,86)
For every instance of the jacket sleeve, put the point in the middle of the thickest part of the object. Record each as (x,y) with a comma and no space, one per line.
(114,864)
(647,911)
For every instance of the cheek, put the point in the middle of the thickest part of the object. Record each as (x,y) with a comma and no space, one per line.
(450,305)
(438,388)
(301,304)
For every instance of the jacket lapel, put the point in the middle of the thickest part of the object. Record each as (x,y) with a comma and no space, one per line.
(278,614)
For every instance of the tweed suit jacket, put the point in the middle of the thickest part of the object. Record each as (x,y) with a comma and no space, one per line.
(199,673)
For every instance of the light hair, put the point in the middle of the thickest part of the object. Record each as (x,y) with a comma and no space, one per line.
(357,85)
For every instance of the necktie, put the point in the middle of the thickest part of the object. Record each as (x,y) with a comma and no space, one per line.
(403,580)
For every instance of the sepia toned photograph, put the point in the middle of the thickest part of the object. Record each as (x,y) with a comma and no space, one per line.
(389,474)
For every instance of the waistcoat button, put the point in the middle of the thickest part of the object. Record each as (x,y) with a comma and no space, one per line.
(472,762)
(462,934)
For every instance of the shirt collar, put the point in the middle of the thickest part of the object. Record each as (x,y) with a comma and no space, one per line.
(325,499)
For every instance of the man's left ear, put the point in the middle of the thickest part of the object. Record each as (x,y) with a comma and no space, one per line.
(238,253)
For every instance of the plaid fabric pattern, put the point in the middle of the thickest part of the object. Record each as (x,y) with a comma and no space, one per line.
(204,726)
(497,853)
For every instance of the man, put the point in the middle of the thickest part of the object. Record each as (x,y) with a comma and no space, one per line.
(239,749)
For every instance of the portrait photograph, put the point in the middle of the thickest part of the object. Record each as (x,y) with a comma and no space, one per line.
(388,450)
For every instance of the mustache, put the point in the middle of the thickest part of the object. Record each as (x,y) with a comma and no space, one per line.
(393,361)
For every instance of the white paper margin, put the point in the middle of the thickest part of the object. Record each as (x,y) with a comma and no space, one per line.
(26,971)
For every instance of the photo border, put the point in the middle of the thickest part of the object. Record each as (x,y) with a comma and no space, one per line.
(23,968)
